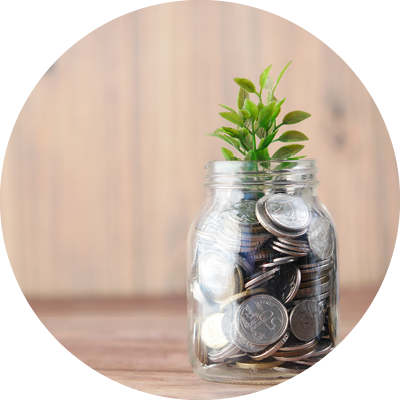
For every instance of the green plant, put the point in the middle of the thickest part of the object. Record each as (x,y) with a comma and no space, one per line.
(256,125)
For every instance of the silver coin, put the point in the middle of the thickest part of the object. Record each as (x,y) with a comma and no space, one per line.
(288,212)
(294,242)
(319,299)
(296,358)
(217,275)
(313,291)
(324,347)
(226,352)
(269,351)
(261,319)
(299,249)
(316,265)
(321,238)
(294,344)
(315,273)
(260,279)
(307,320)
(289,252)
(288,282)
(270,226)
(277,261)
(315,282)
(265,253)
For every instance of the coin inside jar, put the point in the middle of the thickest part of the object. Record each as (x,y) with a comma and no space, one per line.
(261,319)
(217,275)
(288,212)
(212,334)
(307,320)
(288,282)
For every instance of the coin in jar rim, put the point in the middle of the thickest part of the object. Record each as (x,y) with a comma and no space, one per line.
(281,199)
(268,224)
(270,350)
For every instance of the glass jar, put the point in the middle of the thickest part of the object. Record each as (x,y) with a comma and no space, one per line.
(262,273)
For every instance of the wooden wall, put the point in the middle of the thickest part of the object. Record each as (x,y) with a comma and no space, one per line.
(104,169)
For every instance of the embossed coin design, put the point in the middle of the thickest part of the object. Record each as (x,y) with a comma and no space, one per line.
(307,320)
(261,319)
(288,212)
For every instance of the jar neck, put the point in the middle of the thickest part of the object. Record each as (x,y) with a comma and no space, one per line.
(262,176)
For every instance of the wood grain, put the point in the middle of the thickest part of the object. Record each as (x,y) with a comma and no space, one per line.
(141,342)
(104,168)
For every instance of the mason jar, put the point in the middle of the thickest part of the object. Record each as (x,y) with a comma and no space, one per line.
(262,273)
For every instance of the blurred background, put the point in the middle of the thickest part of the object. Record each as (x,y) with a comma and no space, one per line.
(104,170)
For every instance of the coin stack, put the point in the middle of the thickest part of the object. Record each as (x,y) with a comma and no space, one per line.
(262,278)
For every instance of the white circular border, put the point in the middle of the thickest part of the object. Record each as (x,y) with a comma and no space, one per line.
(34,34)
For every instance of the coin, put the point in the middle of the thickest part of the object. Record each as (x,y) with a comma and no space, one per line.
(260,278)
(220,355)
(298,249)
(293,344)
(318,299)
(324,347)
(211,332)
(288,212)
(321,237)
(307,320)
(291,368)
(290,252)
(261,319)
(314,282)
(315,273)
(269,225)
(313,291)
(294,358)
(258,365)
(288,282)
(216,275)
(283,261)
(294,242)
(269,351)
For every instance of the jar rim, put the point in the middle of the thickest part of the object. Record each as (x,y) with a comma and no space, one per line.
(250,173)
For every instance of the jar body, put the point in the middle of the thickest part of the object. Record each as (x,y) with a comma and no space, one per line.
(262,274)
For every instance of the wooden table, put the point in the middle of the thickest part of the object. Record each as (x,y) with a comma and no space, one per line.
(141,343)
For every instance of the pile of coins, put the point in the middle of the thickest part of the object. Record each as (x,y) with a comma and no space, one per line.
(261,277)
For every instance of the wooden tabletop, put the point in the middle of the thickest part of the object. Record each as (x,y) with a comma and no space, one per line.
(142,342)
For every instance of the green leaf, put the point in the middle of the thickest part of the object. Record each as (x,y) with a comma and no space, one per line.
(228,154)
(251,108)
(269,85)
(264,143)
(230,131)
(262,155)
(292,136)
(266,113)
(244,114)
(296,158)
(242,96)
(294,117)
(261,133)
(279,78)
(231,117)
(245,84)
(260,106)
(227,139)
(228,108)
(250,156)
(245,139)
(264,76)
(277,109)
(288,151)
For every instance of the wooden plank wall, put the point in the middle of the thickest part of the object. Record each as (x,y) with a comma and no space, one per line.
(104,169)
